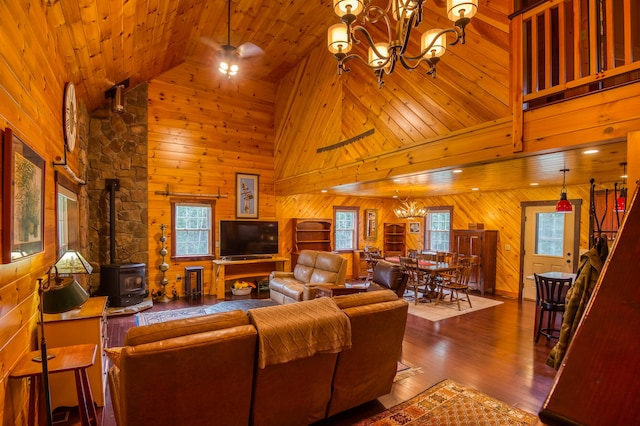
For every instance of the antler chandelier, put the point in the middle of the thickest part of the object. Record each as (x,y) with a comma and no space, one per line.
(383,56)
(410,209)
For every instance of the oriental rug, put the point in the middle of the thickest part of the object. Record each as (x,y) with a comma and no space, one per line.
(446,309)
(146,318)
(449,403)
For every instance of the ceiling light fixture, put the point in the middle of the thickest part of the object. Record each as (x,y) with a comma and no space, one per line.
(227,63)
(407,14)
(563,205)
(621,201)
(410,209)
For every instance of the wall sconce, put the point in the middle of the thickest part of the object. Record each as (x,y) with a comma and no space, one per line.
(116,94)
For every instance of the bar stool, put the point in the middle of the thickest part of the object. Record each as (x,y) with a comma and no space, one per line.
(189,271)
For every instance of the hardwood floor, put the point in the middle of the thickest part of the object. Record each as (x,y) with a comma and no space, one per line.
(491,350)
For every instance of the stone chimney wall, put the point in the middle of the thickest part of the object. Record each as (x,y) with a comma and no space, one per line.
(118,150)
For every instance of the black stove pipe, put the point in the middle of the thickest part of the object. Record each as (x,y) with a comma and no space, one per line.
(112,185)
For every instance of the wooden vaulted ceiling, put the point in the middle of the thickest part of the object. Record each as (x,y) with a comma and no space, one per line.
(108,41)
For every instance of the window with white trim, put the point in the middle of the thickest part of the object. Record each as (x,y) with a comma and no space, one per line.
(192,226)
(438,229)
(346,228)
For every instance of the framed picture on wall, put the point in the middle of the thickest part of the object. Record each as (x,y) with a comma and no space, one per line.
(247,196)
(414,227)
(23,200)
(370,224)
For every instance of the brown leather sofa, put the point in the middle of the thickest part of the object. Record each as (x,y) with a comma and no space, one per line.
(313,268)
(208,370)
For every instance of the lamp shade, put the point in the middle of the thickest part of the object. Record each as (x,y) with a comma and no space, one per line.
(338,39)
(64,297)
(439,46)
(457,9)
(563,205)
(344,7)
(72,262)
(374,59)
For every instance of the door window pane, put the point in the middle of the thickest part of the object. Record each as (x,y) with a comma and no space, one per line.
(550,234)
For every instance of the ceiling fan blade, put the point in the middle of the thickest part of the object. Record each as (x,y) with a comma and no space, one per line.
(247,50)
(211,43)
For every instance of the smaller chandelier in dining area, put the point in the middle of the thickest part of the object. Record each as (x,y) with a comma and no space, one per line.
(407,15)
(411,209)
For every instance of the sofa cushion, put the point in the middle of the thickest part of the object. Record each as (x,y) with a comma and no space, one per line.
(322,276)
(182,327)
(302,273)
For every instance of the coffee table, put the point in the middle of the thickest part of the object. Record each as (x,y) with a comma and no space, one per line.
(337,290)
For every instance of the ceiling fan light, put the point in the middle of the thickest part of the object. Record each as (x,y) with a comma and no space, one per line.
(338,39)
(439,46)
(347,7)
(459,9)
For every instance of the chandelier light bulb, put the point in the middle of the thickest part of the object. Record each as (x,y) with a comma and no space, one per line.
(347,7)
(338,36)
(374,59)
(439,46)
(461,9)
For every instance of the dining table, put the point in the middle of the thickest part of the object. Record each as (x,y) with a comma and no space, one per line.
(432,268)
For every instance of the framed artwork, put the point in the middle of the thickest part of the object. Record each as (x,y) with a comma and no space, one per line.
(370,224)
(414,227)
(23,200)
(247,196)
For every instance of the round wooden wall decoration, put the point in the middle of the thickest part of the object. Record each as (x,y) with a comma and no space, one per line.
(70,116)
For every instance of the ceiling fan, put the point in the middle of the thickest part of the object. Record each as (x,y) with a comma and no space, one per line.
(229,53)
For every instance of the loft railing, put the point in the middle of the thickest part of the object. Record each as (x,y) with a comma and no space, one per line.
(573,47)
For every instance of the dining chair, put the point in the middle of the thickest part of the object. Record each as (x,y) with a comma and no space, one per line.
(456,282)
(371,258)
(550,299)
(416,279)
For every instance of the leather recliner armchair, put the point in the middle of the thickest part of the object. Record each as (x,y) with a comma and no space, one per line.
(387,275)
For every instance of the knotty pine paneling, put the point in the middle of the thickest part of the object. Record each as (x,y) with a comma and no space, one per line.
(32,78)
(497,210)
(203,129)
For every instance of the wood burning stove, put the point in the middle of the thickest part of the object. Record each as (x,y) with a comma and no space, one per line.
(122,283)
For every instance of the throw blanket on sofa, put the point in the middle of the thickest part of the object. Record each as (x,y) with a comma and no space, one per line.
(300,330)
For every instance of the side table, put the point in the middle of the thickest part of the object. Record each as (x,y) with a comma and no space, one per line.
(67,358)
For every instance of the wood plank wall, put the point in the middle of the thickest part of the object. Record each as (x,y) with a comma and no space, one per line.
(497,210)
(203,129)
(31,92)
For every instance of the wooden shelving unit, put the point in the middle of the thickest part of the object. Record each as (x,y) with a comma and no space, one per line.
(484,245)
(395,240)
(311,234)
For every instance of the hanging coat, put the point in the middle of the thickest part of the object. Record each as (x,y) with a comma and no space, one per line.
(577,299)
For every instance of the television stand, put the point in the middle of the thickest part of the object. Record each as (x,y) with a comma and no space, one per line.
(227,270)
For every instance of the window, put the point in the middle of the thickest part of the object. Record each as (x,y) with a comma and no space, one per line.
(438,229)
(346,220)
(192,226)
(550,234)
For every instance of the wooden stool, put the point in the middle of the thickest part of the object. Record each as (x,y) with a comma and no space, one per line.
(67,358)
(188,290)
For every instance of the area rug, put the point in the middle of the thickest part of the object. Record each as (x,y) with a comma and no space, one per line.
(403,371)
(446,309)
(449,403)
(146,318)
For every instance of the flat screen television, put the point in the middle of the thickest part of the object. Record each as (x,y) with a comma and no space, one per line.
(241,238)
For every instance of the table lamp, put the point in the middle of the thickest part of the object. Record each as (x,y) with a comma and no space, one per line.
(57,296)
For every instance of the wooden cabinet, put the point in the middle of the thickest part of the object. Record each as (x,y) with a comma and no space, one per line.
(394,239)
(85,325)
(226,271)
(484,245)
(311,234)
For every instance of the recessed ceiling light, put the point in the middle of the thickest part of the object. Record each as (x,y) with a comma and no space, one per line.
(591,151)
(475,189)
(456,171)
(534,184)
(396,180)
(323,190)
(624,176)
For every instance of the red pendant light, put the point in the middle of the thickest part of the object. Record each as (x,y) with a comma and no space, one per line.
(621,202)
(563,205)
